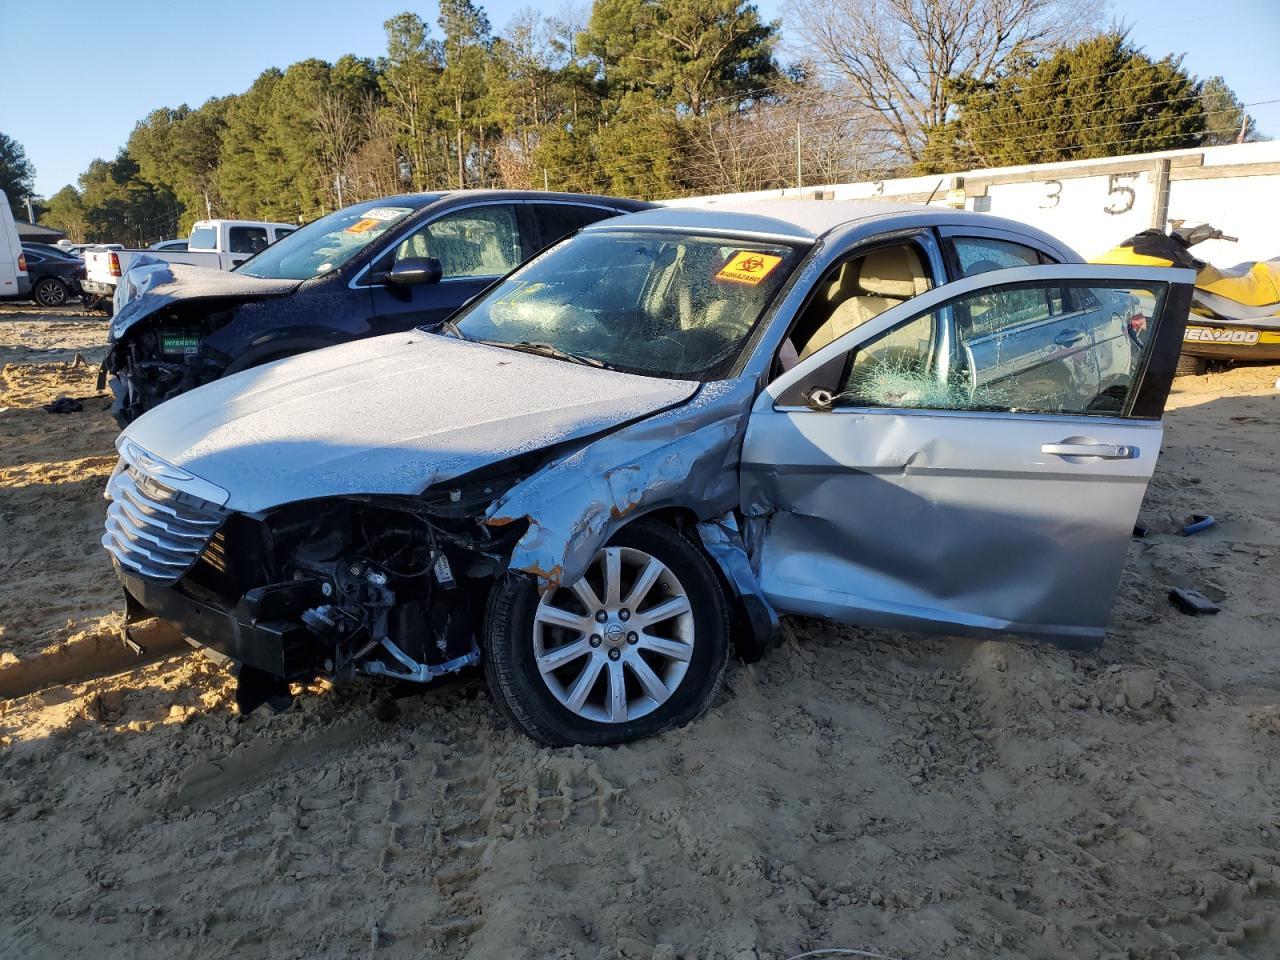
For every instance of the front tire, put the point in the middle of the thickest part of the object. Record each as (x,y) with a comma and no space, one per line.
(639,645)
(50,293)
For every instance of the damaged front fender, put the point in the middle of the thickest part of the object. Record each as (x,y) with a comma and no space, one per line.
(722,541)
(685,458)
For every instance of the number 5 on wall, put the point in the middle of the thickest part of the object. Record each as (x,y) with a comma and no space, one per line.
(1115,188)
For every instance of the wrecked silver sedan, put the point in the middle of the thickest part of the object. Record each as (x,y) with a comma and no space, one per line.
(656,437)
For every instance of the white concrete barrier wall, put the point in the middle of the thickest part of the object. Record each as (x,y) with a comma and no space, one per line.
(1094,204)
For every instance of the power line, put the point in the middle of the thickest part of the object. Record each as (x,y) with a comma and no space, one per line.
(644,161)
(786,85)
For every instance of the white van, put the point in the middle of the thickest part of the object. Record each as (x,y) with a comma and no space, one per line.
(14,282)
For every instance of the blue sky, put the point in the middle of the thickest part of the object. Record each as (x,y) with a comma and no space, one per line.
(85,74)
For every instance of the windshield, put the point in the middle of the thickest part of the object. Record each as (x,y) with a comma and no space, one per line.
(657,303)
(326,244)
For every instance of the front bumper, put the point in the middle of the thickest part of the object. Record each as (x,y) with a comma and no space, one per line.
(256,632)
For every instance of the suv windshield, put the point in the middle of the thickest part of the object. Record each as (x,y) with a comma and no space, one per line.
(326,244)
(651,302)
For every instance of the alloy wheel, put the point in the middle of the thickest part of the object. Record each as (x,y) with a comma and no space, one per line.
(50,293)
(616,645)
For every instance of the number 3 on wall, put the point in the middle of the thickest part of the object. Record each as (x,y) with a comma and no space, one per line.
(1054,196)
(1116,188)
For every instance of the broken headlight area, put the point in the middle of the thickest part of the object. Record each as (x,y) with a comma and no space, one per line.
(161,360)
(388,587)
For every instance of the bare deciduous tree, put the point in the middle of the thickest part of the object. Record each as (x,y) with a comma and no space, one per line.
(894,57)
(801,135)
(376,168)
(341,128)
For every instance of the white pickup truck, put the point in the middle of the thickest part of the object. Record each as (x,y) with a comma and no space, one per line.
(217,244)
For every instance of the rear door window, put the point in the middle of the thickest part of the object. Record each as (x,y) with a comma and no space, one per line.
(248,239)
(558,220)
(976,255)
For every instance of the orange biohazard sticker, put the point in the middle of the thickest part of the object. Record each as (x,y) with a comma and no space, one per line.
(748,267)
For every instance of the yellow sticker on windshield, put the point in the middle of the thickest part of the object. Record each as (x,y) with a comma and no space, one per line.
(360,226)
(748,267)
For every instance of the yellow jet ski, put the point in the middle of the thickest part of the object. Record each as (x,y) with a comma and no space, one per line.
(1235,313)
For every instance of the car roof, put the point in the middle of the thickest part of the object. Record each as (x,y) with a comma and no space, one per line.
(805,220)
(241,223)
(427,198)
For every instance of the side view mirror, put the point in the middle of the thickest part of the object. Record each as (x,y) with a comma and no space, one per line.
(819,399)
(413,271)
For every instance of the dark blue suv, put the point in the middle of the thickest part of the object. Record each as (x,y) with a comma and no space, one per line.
(375,267)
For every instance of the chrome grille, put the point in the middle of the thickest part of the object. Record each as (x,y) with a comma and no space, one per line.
(154,530)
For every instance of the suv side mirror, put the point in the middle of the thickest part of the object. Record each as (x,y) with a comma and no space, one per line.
(413,271)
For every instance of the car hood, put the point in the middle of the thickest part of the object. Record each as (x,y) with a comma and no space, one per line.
(151,284)
(386,415)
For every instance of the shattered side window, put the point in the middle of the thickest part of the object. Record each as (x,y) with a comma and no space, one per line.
(1057,348)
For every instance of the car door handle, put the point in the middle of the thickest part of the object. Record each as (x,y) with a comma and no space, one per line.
(1068,337)
(1103,451)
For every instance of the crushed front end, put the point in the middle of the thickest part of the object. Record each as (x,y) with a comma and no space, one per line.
(391,586)
(159,358)
(173,330)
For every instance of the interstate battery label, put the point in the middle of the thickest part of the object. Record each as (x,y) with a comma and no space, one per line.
(1221,335)
(749,267)
(179,343)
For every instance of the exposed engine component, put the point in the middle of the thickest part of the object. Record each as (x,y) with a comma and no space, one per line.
(160,359)
(392,593)
(413,636)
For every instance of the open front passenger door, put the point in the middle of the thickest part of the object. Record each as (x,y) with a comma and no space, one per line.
(972,460)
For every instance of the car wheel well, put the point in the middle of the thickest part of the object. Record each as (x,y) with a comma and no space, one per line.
(681,518)
(521,692)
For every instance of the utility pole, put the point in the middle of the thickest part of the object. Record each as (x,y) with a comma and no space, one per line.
(31,215)
(546,181)
(799,176)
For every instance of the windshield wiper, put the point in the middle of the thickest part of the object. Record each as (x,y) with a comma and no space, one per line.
(451,328)
(550,350)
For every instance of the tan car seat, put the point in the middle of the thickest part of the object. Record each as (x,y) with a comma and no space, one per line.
(885,278)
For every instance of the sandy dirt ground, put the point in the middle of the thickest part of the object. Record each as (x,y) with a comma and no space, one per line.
(919,797)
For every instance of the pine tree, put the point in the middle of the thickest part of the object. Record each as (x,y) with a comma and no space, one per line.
(1098,98)
(17,175)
